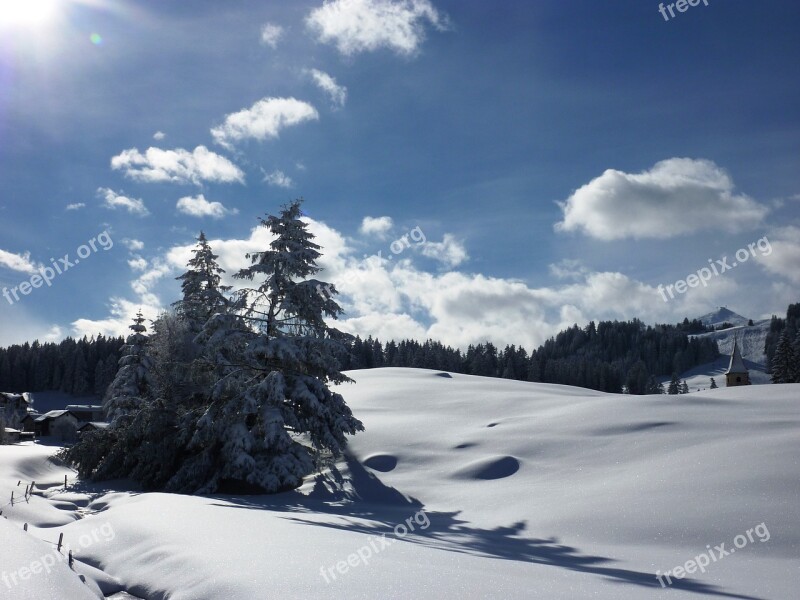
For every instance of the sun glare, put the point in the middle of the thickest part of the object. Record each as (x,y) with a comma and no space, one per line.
(26,13)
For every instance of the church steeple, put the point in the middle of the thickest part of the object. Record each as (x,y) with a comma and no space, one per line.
(737,373)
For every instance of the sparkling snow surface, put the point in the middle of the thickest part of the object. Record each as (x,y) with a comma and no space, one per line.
(513,490)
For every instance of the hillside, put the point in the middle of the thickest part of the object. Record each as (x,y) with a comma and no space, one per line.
(516,490)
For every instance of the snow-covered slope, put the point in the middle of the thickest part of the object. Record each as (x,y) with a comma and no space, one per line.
(722,315)
(751,340)
(513,489)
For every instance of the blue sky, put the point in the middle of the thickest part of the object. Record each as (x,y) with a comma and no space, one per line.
(550,162)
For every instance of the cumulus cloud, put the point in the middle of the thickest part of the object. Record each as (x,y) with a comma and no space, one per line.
(377,226)
(114,200)
(356,26)
(677,196)
(121,315)
(279,179)
(449,251)
(159,135)
(198,206)
(75,206)
(779,253)
(137,263)
(271,34)
(177,166)
(133,245)
(265,119)
(337,93)
(397,298)
(18,262)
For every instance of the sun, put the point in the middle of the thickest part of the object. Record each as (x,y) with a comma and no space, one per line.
(26,13)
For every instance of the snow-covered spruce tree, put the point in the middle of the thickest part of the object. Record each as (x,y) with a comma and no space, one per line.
(782,364)
(272,413)
(674,385)
(713,384)
(203,294)
(128,392)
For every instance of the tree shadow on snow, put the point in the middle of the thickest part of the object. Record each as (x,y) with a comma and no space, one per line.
(358,495)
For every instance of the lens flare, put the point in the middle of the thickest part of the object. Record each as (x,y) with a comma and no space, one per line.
(26,13)
(96,39)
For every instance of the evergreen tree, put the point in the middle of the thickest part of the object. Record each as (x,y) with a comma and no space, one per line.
(684,388)
(674,385)
(272,415)
(713,384)
(128,392)
(783,362)
(203,295)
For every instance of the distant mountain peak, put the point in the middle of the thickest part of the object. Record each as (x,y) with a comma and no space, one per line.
(723,315)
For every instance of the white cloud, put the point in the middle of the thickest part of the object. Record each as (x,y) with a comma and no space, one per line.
(18,262)
(271,34)
(568,269)
(677,196)
(398,299)
(449,251)
(779,252)
(377,226)
(337,93)
(76,206)
(113,200)
(177,166)
(137,263)
(279,179)
(116,324)
(200,207)
(133,245)
(355,26)
(159,135)
(265,119)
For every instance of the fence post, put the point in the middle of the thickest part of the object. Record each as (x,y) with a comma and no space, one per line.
(25,527)
(60,539)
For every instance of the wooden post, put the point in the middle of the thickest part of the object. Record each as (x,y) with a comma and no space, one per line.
(71,561)
(12,498)
(65,482)
(25,527)
(60,539)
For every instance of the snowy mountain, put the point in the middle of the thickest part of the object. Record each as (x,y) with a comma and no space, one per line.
(460,487)
(722,315)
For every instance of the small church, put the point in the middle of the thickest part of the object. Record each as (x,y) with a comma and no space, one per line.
(737,373)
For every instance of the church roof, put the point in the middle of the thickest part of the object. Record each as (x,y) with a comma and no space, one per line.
(737,364)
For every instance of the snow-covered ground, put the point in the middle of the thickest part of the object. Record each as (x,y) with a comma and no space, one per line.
(512,489)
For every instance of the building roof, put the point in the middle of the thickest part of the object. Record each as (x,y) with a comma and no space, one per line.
(85,407)
(53,414)
(95,424)
(8,396)
(737,364)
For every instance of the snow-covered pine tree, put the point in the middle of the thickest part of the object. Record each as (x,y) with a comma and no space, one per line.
(782,364)
(794,372)
(130,389)
(203,295)
(272,413)
(684,387)
(714,385)
(674,385)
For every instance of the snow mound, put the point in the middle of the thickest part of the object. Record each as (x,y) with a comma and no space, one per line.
(380,462)
(498,467)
